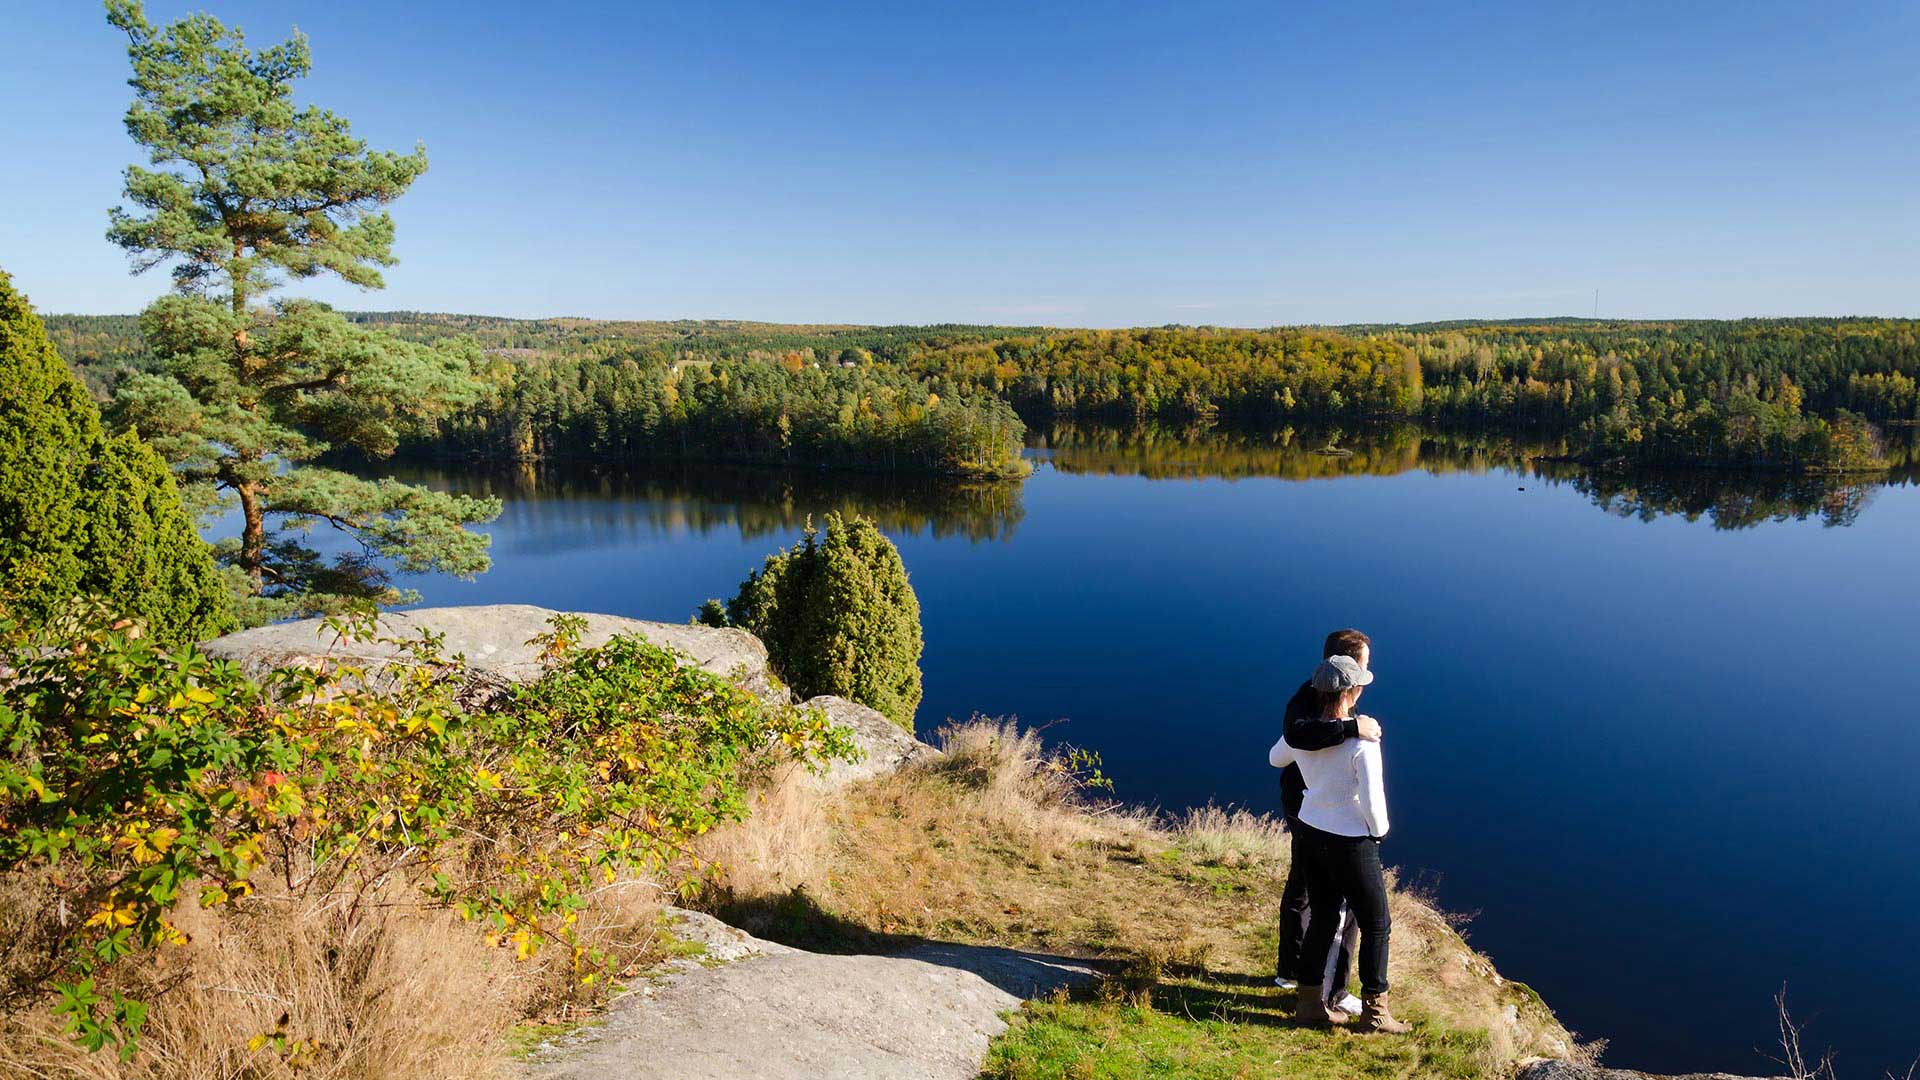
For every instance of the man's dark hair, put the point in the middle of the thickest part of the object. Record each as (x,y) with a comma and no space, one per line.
(1346,643)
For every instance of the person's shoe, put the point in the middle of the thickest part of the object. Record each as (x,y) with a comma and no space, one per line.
(1309,1009)
(1285,983)
(1375,1016)
(1348,1004)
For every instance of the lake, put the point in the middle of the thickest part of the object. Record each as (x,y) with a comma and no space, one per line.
(1656,732)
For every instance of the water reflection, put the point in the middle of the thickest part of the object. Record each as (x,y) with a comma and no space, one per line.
(1725,499)
(562,505)
(1289,453)
(581,501)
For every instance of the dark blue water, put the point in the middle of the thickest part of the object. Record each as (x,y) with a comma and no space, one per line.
(1670,764)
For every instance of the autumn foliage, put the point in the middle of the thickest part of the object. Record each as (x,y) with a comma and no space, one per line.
(137,783)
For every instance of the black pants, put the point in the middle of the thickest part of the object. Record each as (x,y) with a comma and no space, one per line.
(1346,868)
(1295,900)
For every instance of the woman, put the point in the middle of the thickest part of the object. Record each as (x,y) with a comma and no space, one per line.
(1341,821)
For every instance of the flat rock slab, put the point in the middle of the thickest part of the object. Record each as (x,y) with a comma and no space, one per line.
(777,1013)
(884,745)
(494,639)
(1563,1070)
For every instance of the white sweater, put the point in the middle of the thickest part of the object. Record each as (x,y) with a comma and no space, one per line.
(1346,789)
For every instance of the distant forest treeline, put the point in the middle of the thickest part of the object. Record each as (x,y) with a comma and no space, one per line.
(714,391)
(1761,393)
(1767,393)
(788,413)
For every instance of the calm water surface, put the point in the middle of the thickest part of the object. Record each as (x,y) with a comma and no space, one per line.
(1659,735)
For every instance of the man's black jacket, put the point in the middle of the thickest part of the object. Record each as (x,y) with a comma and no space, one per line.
(1306,729)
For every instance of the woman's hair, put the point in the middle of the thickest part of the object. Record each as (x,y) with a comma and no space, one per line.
(1325,700)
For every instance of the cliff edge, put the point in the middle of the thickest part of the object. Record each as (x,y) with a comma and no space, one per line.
(974,909)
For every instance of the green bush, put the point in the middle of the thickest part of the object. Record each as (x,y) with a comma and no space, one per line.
(838,616)
(84,514)
(132,777)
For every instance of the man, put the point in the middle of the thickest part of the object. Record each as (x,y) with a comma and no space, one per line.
(1305,729)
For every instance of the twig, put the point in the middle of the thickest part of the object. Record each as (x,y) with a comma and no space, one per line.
(1795,1058)
(275,998)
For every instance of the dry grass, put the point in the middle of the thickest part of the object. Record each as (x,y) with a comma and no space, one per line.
(783,844)
(1232,837)
(388,990)
(397,993)
(995,843)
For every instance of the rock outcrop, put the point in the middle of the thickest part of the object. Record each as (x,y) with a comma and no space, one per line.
(884,746)
(494,639)
(743,1006)
(1564,1070)
(753,1008)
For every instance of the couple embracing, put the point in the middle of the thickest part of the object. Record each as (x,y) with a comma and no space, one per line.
(1336,805)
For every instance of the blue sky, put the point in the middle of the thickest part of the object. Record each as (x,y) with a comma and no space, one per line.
(1088,165)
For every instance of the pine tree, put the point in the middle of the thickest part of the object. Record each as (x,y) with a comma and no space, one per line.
(82,514)
(838,616)
(249,190)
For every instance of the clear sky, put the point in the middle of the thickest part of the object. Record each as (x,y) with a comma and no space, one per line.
(1093,165)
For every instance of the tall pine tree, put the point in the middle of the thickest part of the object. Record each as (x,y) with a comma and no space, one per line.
(248,190)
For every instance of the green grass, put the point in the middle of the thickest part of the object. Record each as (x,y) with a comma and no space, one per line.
(522,1039)
(1212,1026)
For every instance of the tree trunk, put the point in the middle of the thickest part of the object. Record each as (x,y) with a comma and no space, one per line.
(253,536)
(239,302)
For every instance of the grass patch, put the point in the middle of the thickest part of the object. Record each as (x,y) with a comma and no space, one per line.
(522,1039)
(1207,1028)
(994,844)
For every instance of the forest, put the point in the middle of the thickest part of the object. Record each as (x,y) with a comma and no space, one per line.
(710,391)
(1793,394)
(1771,394)
(1781,393)
(788,413)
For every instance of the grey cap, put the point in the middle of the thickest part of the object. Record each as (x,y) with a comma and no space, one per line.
(1340,673)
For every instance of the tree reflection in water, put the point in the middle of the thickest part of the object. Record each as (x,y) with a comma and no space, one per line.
(666,498)
(1726,499)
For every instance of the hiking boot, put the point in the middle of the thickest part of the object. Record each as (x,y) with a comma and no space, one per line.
(1375,1016)
(1309,1009)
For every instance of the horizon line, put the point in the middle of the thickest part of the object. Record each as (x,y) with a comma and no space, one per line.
(1479,320)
